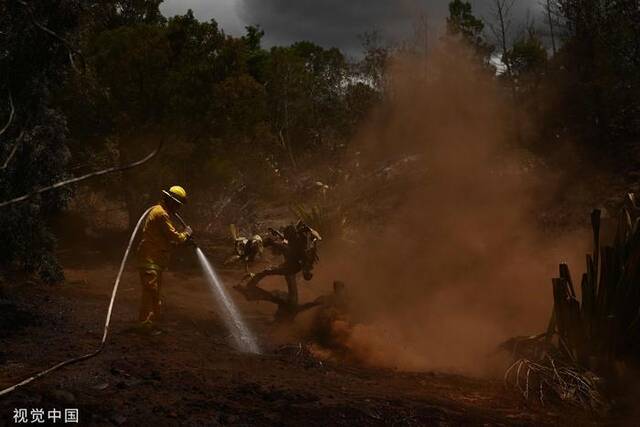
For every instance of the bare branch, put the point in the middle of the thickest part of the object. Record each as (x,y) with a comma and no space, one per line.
(84,177)
(501,11)
(68,45)
(11,114)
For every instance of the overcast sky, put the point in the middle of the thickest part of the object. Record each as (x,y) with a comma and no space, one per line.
(332,22)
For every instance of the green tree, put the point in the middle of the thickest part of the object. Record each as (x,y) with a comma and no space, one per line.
(528,59)
(373,66)
(462,25)
(258,57)
(224,104)
(131,65)
(118,13)
(194,69)
(527,77)
(597,71)
(183,80)
(306,91)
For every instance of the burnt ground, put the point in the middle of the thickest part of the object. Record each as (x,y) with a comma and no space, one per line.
(191,375)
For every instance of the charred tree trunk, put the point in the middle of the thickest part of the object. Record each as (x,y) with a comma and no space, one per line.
(288,305)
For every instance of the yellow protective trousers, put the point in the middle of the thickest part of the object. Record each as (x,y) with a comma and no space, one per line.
(150,302)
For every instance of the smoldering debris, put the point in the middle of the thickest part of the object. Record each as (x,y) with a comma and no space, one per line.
(548,379)
(541,372)
(301,354)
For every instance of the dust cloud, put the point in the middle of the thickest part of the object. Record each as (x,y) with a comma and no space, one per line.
(460,263)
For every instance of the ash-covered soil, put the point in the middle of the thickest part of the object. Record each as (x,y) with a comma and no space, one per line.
(191,375)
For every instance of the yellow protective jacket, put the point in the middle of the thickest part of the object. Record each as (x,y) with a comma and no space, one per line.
(158,236)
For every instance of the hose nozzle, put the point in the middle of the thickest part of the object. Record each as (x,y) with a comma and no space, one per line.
(191,241)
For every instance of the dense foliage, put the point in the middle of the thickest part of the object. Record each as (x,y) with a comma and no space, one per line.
(34,59)
(230,108)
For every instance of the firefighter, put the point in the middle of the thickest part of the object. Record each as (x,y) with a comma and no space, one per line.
(159,236)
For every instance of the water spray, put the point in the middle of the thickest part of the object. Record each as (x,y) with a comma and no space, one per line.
(242,336)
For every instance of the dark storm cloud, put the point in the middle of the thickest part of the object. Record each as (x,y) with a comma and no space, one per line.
(339,22)
(225,12)
(333,22)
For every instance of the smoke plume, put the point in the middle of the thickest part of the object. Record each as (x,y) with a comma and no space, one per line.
(459,263)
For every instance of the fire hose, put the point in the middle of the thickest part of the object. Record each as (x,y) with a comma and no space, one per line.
(184,224)
(106,323)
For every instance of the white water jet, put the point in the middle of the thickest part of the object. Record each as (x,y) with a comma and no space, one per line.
(245,340)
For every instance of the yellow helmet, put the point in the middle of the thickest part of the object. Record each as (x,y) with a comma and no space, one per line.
(177,194)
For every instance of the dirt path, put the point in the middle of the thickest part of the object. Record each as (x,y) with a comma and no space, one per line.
(192,376)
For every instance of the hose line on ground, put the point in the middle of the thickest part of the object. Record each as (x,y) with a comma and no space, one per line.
(106,322)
